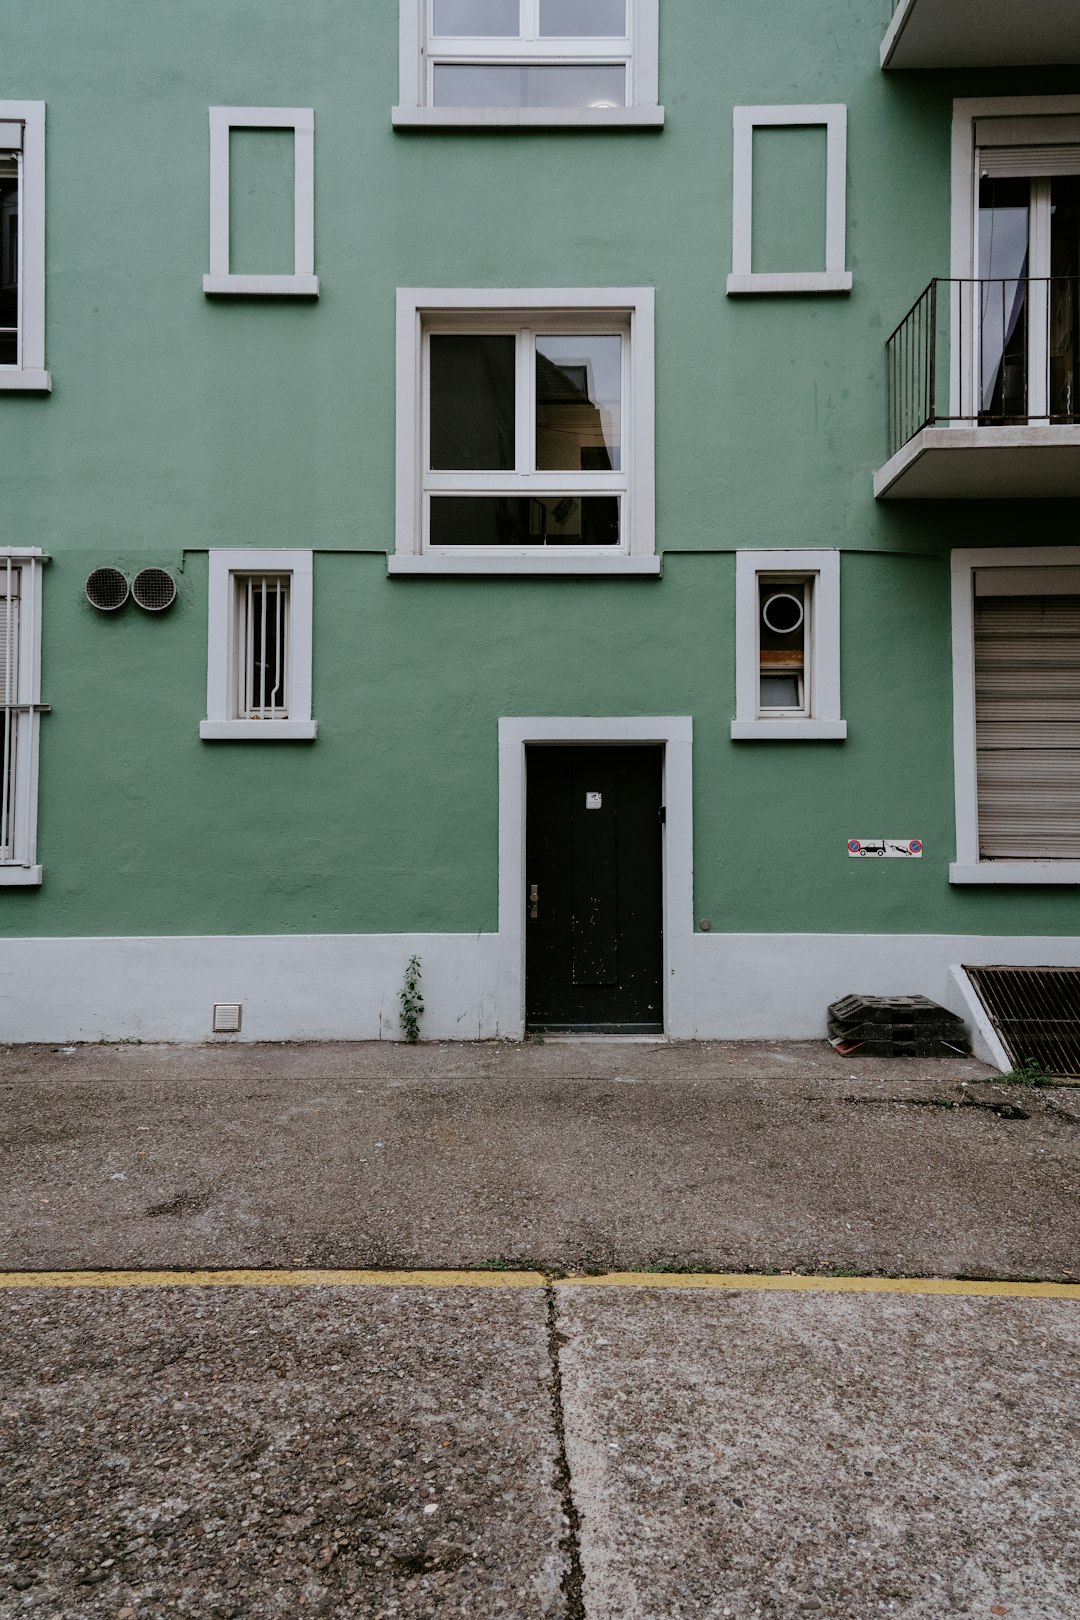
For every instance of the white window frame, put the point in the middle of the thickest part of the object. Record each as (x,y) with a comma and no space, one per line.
(1023,123)
(222,723)
(25,133)
(835,278)
(968,867)
(823,723)
(643,78)
(303,283)
(633,308)
(23,871)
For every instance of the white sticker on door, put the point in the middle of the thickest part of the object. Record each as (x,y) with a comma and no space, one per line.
(594,801)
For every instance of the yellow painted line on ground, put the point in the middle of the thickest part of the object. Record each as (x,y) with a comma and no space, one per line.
(701,1281)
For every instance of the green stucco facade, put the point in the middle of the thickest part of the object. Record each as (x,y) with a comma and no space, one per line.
(179,423)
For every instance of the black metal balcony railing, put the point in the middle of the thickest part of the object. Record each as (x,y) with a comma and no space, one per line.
(994,352)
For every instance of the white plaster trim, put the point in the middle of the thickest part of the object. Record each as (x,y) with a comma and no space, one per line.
(20,877)
(221,723)
(824,723)
(493,118)
(303,282)
(900,19)
(546,561)
(788,730)
(835,277)
(1036,872)
(676,735)
(30,376)
(346,986)
(985,1042)
(23,871)
(16,380)
(968,868)
(415,305)
(643,78)
(258,730)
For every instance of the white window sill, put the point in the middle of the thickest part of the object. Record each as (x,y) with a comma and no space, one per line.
(258,730)
(262,286)
(837,281)
(788,730)
(1041,872)
(527,117)
(20,877)
(14,381)
(619,567)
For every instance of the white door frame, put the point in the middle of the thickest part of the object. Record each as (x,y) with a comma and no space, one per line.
(675,735)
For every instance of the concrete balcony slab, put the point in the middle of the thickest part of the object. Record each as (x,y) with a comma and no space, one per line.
(981,33)
(983,463)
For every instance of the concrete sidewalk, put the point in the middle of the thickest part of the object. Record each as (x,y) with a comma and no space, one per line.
(538,1453)
(561,1156)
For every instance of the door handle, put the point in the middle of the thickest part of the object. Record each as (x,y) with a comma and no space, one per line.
(534,900)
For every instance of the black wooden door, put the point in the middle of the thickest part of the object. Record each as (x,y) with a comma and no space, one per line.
(593,890)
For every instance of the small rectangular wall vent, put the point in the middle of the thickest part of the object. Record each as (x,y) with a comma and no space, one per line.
(228,1016)
(1036,1013)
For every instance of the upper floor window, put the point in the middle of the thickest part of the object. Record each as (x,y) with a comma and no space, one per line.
(525,431)
(514,62)
(22,247)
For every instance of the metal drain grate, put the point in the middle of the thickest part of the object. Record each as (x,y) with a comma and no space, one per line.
(1036,1012)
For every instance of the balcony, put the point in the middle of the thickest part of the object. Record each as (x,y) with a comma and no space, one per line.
(981,33)
(983,386)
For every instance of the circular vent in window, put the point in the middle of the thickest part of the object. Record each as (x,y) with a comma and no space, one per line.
(154,590)
(107,589)
(783,614)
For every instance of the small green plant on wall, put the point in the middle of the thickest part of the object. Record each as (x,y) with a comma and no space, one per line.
(412,1001)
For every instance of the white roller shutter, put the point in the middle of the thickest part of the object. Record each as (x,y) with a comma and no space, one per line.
(1027,726)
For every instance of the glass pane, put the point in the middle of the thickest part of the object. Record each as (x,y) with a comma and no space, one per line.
(477,19)
(782,632)
(472,403)
(1004,214)
(479,86)
(780,692)
(577,19)
(579,404)
(522,520)
(1064,403)
(9,259)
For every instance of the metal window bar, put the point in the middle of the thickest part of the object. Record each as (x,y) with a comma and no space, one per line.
(993,352)
(263,647)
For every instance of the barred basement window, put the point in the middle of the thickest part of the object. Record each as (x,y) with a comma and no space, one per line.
(262,647)
(258,686)
(20,714)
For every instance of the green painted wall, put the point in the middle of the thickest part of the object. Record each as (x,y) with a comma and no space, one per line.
(180,423)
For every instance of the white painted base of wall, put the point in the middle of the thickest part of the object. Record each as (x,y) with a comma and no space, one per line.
(345,987)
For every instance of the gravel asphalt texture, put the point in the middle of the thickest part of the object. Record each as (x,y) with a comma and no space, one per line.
(748,1156)
(555,1451)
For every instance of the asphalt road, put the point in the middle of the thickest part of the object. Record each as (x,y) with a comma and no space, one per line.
(729,1157)
(545,1453)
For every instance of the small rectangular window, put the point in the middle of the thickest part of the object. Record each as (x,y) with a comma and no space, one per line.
(258,673)
(545,61)
(20,714)
(262,646)
(787,646)
(22,247)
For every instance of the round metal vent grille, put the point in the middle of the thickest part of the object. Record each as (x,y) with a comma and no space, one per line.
(107,589)
(154,590)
